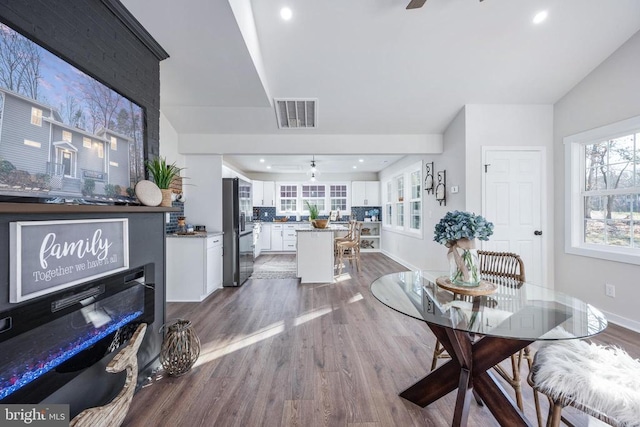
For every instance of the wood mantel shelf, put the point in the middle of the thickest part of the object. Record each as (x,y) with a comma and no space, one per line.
(39,208)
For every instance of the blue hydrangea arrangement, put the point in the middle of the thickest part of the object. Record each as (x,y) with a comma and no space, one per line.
(462,225)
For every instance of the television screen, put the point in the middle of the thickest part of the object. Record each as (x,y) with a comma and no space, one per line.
(64,136)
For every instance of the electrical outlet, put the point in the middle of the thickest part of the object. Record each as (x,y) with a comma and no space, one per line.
(610,290)
(430,306)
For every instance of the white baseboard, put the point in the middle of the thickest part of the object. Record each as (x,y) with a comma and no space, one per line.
(622,321)
(400,261)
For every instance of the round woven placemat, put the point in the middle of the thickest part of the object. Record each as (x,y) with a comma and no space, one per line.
(484,288)
(148,193)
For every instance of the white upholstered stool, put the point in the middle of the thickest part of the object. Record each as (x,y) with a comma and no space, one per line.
(603,382)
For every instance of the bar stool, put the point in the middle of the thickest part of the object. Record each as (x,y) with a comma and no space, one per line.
(352,224)
(350,249)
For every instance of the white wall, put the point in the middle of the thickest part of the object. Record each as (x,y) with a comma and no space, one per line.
(204,191)
(422,252)
(608,94)
(169,142)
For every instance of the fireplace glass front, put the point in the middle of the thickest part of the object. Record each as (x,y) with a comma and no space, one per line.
(83,328)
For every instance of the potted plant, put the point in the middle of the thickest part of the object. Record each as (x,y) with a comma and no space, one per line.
(457,231)
(163,174)
(313,213)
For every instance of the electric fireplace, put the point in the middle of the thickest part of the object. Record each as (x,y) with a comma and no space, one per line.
(46,343)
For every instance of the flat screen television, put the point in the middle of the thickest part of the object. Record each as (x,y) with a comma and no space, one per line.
(64,136)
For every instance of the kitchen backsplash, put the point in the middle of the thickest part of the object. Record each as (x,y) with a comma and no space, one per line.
(268,214)
(172,225)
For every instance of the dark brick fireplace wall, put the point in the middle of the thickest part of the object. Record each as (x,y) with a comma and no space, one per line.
(88,35)
(91,36)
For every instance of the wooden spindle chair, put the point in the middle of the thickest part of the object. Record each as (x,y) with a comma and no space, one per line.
(350,249)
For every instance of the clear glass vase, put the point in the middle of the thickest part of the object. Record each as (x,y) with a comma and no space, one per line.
(464,265)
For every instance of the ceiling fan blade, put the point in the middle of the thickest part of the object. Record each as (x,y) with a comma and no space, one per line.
(415,4)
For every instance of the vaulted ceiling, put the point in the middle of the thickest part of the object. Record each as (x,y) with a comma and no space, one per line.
(375,67)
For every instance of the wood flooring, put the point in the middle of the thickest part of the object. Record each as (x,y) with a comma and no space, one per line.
(279,353)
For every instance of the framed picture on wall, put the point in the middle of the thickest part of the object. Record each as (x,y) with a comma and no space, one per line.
(64,136)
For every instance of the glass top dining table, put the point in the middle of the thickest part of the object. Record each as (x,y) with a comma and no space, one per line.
(480,331)
(515,310)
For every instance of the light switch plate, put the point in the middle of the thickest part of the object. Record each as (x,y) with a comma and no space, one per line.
(454,189)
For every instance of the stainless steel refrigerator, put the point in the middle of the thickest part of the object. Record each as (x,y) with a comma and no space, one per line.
(237,214)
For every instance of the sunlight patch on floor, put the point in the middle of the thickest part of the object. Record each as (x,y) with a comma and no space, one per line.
(303,318)
(356,297)
(211,351)
(343,277)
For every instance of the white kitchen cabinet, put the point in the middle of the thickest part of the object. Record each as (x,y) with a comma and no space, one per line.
(276,237)
(214,264)
(365,193)
(269,193)
(194,267)
(264,193)
(265,237)
(289,237)
(257,190)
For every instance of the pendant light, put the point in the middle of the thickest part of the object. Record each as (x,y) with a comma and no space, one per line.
(313,173)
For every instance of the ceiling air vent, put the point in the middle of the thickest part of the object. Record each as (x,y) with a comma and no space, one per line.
(297,113)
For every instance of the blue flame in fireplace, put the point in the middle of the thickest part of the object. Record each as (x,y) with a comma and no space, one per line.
(60,355)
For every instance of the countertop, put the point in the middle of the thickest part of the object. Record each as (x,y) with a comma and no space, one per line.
(330,228)
(198,234)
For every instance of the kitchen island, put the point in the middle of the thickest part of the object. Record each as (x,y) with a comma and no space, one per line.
(315,253)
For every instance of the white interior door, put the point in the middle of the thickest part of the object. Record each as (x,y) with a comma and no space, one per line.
(512,201)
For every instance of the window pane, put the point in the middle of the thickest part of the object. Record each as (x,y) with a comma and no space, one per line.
(594,232)
(416,215)
(596,178)
(621,150)
(619,233)
(415,185)
(594,207)
(338,204)
(399,215)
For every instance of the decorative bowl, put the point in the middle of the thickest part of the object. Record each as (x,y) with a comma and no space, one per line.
(319,223)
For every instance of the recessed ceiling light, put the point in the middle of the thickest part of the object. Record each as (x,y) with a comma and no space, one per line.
(268,167)
(361,160)
(285,13)
(540,17)
(261,160)
(355,167)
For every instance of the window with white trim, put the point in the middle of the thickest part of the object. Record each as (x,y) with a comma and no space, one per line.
(66,136)
(101,151)
(288,198)
(415,201)
(114,143)
(399,201)
(86,142)
(326,196)
(603,210)
(388,207)
(338,196)
(36,116)
(403,201)
(314,194)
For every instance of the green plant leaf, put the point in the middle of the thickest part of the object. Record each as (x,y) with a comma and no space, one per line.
(162,172)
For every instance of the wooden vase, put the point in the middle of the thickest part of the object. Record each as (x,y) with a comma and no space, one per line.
(166,197)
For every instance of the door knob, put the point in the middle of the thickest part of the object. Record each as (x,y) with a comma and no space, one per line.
(538,232)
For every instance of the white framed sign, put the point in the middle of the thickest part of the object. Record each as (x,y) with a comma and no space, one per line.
(47,256)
